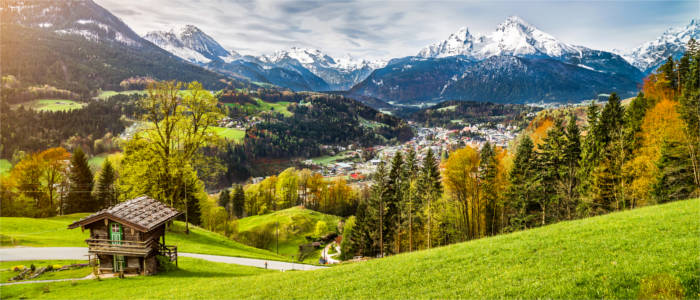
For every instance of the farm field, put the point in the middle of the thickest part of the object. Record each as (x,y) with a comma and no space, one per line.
(230,133)
(607,256)
(294,225)
(52,105)
(326,159)
(53,232)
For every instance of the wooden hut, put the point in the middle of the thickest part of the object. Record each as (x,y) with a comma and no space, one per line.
(128,236)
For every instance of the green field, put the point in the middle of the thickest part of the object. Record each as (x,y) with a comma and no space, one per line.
(230,133)
(326,159)
(52,105)
(280,107)
(106,94)
(600,257)
(50,232)
(294,225)
(5,166)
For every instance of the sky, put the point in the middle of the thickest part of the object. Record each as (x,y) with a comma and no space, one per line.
(387,29)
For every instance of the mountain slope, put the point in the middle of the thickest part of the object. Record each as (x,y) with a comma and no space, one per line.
(610,256)
(80,46)
(652,54)
(191,44)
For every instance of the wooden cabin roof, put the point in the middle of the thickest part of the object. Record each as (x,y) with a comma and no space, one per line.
(142,213)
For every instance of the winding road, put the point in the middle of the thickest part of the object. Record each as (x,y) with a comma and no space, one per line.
(80,253)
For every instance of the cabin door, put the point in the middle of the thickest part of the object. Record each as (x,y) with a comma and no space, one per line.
(115,235)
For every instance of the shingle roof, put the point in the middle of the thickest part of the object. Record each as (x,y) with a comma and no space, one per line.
(142,213)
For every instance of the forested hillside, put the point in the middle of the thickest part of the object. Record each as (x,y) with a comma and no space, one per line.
(446,113)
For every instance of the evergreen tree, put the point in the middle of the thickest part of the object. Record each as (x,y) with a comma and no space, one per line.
(667,69)
(225,200)
(550,162)
(393,196)
(523,185)
(608,183)
(590,154)
(571,157)
(377,210)
(411,200)
(430,187)
(105,193)
(238,201)
(675,177)
(488,171)
(79,198)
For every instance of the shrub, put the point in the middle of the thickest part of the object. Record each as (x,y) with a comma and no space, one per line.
(164,264)
(33,267)
(18,268)
(660,286)
(321,228)
(56,267)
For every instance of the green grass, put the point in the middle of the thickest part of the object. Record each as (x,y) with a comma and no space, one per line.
(53,105)
(600,257)
(106,94)
(5,166)
(191,273)
(280,107)
(6,272)
(96,161)
(53,232)
(326,159)
(230,133)
(294,224)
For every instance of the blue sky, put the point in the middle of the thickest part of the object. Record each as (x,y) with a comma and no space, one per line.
(386,29)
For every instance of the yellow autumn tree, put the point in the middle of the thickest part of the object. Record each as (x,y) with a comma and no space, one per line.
(661,124)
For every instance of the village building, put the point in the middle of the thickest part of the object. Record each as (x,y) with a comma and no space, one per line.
(127,237)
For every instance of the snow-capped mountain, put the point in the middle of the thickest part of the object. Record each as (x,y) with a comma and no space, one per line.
(190,43)
(84,18)
(524,64)
(340,74)
(652,54)
(513,37)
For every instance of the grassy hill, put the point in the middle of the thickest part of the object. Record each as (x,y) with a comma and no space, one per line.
(294,225)
(53,232)
(601,257)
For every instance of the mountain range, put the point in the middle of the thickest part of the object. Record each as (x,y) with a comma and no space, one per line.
(87,45)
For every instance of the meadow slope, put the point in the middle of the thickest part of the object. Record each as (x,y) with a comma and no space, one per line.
(53,232)
(600,257)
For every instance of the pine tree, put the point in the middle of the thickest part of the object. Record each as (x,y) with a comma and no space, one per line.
(572,155)
(523,185)
(675,178)
(668,71)
(105,193)
(431,187)
(225,201)
(393,197)
(590,154)
(79,198)
(377,210)
(608,182)
(238,201)
(550,161)
(488,171)
(411,198)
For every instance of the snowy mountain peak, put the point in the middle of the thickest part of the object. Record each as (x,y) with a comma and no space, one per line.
(190,43)
(672,42)
(514,36)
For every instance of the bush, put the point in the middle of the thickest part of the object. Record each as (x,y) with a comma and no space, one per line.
(56,267)
(18,268)
(261,237)
(321,228)
(660,286)
(164,264)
